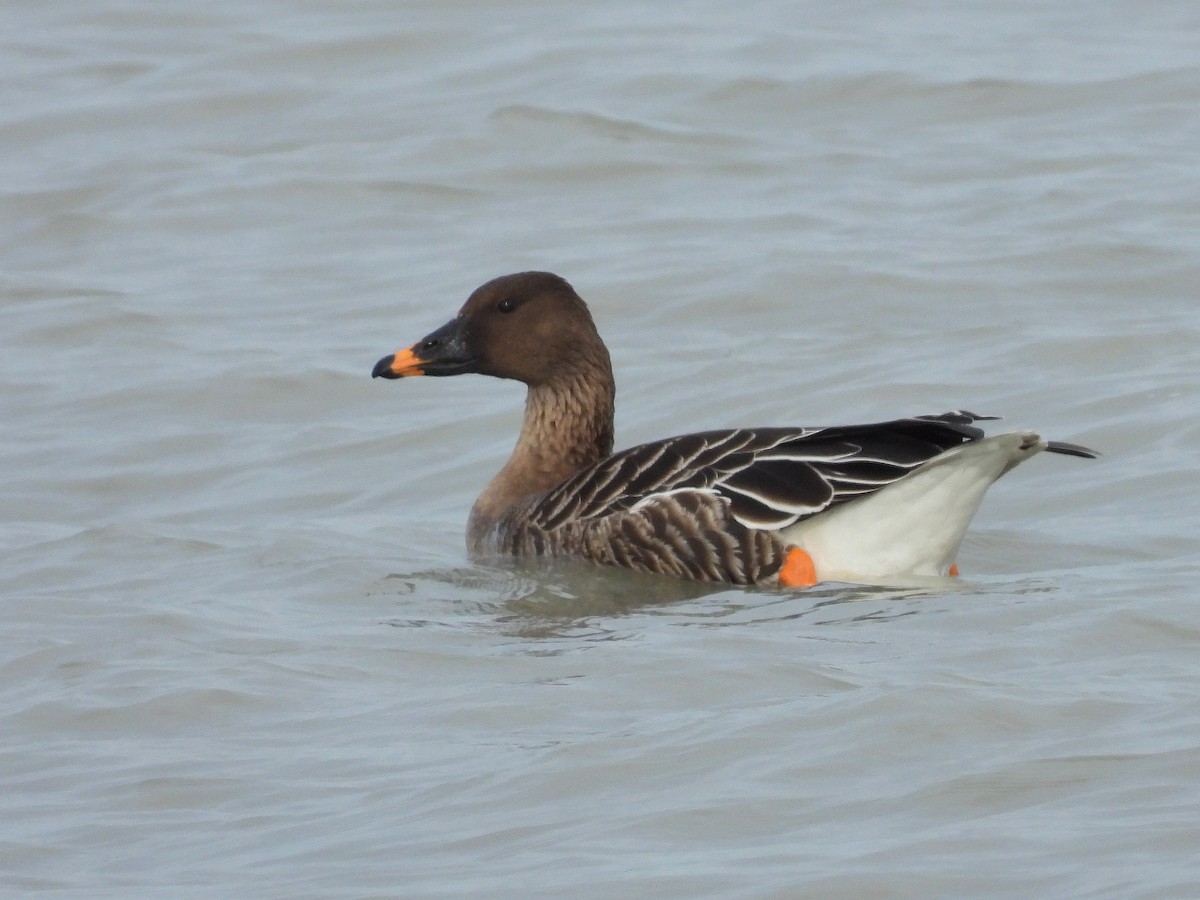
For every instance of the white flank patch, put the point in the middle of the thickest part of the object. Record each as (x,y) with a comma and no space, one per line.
(914,526)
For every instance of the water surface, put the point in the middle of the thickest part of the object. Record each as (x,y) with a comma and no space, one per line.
(244,651)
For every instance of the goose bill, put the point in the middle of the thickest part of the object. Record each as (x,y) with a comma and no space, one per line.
(401,364)
(444,352)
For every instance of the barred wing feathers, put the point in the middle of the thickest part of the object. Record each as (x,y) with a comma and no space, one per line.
(770,478)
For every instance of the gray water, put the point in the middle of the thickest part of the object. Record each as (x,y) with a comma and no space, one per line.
(243,651)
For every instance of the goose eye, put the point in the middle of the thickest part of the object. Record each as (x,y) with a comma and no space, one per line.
(507,305)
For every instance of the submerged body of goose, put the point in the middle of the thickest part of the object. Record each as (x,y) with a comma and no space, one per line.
(790,506)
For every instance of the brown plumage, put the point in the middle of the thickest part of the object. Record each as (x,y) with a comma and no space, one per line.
(722,506)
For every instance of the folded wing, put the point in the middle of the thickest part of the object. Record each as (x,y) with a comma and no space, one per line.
(769,477)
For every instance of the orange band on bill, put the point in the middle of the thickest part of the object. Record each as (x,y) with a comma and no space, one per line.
(953,570)
(405,363)
(798,569)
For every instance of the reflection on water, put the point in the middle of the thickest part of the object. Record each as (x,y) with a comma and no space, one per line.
(564,597)
(542,598)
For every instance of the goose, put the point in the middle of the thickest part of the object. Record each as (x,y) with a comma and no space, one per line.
(791,506)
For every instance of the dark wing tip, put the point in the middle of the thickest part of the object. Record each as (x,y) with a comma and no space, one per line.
(1072,450)
(958,417)
(966,417)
